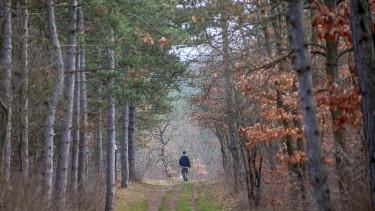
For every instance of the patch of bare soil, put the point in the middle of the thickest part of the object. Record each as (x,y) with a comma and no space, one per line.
(156,198)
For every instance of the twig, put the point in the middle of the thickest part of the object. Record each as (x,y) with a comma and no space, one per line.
(342,53)
(271,64)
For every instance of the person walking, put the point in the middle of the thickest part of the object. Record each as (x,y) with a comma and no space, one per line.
(185,165)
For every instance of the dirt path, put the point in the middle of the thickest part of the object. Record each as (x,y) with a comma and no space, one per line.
(194,197)
(171,201)
(156,199)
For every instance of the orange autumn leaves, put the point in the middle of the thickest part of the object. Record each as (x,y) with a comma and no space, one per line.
(149,40)
(346,103)
(276,101)
(332,23)
(275,94)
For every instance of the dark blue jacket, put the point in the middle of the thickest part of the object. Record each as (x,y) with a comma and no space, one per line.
(184,161)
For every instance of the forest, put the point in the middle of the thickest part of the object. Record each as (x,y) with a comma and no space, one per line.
(273,101)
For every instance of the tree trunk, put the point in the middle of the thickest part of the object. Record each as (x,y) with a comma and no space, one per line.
(230,115)
(49,132)
(131,152)
(6,63)
(365,65)
(24,97)
(338,136)
(247,175)
(82,155)
(267,42)
(110,193)
(295,171)
(124,147)
(99,143)
(66,125)
(163,144)
(318,175)
(75,128)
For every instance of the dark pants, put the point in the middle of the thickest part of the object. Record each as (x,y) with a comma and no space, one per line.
(184,172)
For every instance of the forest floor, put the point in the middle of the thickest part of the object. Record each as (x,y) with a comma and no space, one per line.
(161,195)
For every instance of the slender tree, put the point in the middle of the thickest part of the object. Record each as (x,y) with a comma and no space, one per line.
(24,89)
(131,148)
(99,141)
(6,63)
(49,130)
(82,155)
(124,147)
(332,72)
(318,175)
(75,129)
(63,159)
(228,89)
(365,64)
(110,191)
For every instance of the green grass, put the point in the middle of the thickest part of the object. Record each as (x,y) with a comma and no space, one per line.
(137,206)
(133,198)
(161,182)
(183,204)
(205,203)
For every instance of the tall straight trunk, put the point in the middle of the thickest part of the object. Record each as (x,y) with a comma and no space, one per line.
(75,128)
(228,89)
(49,131)
(365,65)
(318,174)
(267,42)
(66,125)
(131,149)
(99,143)
(82,155)
(24,98)
(110,191)
(124,147)
(6,63)
(338,136)
(3,123)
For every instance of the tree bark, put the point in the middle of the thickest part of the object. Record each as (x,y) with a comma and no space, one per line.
(218,131)
(6,63)
(295,170)
(49,132)
(24,96)
(124,147)
(228,89)
(75,128)
(110,191)
(3,123)
(365,64)
(338,136)
(163,144)
(318,175)
(99,143)
(131,152)
(82,155)
(66,130)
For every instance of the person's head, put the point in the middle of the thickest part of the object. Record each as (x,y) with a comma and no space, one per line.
(184,152)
